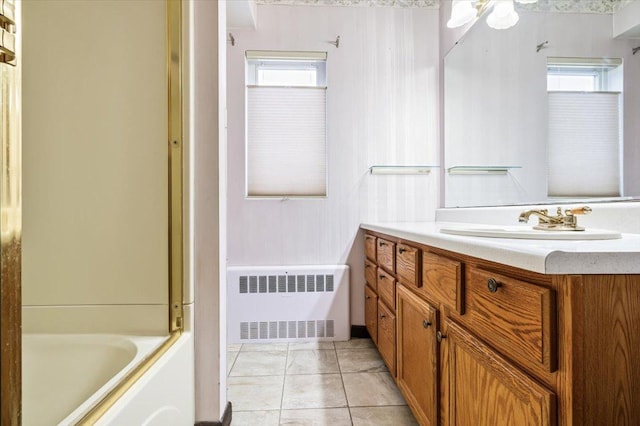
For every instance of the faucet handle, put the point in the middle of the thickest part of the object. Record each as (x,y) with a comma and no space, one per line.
(578,210)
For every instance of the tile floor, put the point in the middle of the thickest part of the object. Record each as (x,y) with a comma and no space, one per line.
(321,383)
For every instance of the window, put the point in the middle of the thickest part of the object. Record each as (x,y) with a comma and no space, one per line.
(585,127)
(286,152)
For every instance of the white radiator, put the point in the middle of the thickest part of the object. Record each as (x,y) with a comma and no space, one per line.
(287,303)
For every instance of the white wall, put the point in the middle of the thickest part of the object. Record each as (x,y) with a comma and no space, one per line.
(207,95)
(496,103)
(382,108)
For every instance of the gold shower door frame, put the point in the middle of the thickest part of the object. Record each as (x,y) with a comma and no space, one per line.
(11,241)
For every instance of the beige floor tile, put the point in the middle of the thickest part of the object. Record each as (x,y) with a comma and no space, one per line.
(231,359)
(264,347)
(360,361)
(310,345)
(255,393)
(382,416)
(313,391)
(355,344)
(259,364)
(316,417)
(312,362)
(234,347)
(371,389)
(255,418)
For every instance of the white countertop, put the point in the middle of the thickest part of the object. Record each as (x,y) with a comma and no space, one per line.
(619,256)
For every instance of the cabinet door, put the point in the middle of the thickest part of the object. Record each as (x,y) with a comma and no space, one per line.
(371,313)
(486,390)
(387,336)
(418,355)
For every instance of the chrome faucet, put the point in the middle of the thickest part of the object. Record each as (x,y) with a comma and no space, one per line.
(560,222)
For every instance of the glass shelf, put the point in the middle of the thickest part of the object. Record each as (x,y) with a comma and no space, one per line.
(401,170)
(481,170)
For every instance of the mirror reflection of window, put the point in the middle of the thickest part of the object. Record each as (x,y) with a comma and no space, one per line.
(585,127)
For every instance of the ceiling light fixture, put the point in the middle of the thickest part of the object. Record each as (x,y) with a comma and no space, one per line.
(502,16)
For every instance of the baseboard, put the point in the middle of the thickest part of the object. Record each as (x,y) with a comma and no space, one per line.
(359,332)
(224,421)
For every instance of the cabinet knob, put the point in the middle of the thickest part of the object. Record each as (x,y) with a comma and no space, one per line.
(367,297)
(425,323)
(493,285)
(382,277)
(383,316)
(382,243)
(440,336)
(366,265)
(401,250)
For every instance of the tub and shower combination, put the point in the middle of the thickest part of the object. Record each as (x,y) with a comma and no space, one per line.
(65,376)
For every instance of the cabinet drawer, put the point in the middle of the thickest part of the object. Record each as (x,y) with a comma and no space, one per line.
(387,288)
(442,280)
(370,273)
(387,337)
(408,265)
(385,254)
(514,316)
(370,246)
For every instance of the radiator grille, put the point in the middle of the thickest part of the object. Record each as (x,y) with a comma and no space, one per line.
(285,283)
(286,329)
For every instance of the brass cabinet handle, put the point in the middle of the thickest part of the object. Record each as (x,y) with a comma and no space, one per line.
(493,285)
(440,336)
(425,323)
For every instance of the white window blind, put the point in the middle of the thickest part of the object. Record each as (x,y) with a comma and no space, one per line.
(286,141)
(584,144)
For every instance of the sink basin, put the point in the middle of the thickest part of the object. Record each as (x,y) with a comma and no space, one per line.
(524,232)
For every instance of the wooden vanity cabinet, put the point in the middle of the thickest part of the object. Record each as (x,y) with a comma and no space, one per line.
(387,261)
(485,344)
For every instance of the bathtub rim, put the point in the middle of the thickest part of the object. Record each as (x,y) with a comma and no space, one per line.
(110,398)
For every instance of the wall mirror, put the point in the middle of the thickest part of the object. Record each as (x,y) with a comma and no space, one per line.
(510,137)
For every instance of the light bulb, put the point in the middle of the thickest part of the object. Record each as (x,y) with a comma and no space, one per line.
(503,15)
(462,12)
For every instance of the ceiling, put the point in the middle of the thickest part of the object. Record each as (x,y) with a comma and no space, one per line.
(573,6)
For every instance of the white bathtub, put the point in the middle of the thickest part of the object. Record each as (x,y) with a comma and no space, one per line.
(64,375)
